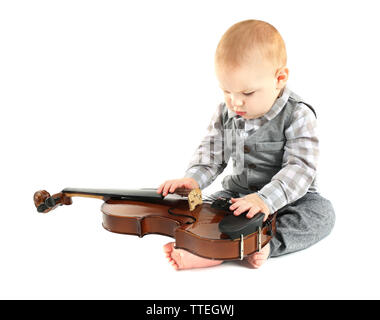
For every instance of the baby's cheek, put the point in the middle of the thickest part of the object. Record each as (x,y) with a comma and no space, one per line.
(227,100)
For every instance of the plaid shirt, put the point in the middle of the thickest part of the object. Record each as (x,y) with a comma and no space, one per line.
(298,172)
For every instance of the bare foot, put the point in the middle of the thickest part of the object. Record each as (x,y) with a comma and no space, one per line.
(182,259)
(257,259)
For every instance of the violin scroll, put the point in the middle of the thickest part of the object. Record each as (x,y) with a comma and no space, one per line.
(44,202)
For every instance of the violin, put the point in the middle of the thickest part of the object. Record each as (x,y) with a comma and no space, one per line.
(204,227)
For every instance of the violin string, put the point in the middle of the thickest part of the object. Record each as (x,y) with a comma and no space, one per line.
(205,198)
(209,198)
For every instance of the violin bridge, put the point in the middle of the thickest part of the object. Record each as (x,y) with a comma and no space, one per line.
(194,198)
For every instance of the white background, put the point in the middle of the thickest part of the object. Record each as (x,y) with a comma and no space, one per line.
(118,94)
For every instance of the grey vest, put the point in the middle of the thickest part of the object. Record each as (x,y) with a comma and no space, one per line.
(262,152)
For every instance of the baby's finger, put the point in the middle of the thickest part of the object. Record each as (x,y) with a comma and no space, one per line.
(173,187)
(235,204)
(241,209)
(159,189)
(252,212)
(166,188)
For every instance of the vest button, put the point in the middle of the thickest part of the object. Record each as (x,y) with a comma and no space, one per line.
(251,166)
(246,149)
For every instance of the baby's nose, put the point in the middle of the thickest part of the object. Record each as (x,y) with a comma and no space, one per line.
(237,106)
(237,102)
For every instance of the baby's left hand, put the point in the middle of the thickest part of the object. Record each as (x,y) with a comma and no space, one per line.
(251,202)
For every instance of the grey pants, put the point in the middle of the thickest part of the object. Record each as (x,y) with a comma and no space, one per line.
(299,224)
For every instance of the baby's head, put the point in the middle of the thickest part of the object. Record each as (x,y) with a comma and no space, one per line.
(250,64)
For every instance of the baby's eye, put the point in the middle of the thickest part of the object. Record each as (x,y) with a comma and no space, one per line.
(249,93)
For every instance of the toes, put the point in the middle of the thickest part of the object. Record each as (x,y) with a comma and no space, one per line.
(173,257)
(175,266)
(168,248)
(256,263)
(257,259)
(258,255)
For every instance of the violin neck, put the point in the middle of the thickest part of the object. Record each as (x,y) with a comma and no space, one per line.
(44,202)
(145,194)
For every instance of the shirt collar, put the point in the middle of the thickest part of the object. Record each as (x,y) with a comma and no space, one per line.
(274,110)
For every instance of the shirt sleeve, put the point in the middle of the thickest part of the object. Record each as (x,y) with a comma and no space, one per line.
(211,157)
(299,162)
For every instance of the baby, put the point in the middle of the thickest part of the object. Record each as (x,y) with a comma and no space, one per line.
(269,132)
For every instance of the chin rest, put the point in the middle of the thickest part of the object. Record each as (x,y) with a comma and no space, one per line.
(235,226)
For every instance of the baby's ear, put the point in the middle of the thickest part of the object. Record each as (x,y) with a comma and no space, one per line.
(282,76)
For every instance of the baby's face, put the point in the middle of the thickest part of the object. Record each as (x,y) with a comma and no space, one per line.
(251,89)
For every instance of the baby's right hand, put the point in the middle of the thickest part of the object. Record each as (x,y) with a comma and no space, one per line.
(184,186)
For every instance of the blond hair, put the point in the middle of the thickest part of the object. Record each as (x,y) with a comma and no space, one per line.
(249,37)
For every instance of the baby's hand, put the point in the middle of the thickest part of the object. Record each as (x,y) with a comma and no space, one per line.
(183,186)
(251,202)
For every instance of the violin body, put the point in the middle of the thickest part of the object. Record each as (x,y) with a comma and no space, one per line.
(196,231)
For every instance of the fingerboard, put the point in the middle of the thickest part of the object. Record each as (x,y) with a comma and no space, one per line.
(145,194)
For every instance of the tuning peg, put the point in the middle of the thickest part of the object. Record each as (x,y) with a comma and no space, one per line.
(50,202)
(42,207)
(45,202)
